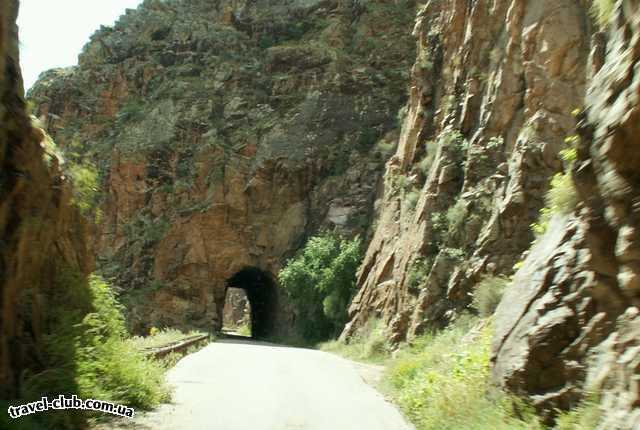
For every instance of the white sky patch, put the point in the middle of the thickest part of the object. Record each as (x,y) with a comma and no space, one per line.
(52,33)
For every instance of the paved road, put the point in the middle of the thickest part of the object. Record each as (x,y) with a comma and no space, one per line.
(246,385)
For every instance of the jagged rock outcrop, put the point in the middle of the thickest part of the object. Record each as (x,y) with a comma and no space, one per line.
(491,97)
(571,314)
(226,132)
(41,233)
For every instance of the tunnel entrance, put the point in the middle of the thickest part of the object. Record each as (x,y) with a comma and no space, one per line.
(261,294)
(236,315)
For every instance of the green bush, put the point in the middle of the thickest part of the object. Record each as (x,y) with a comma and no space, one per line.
(109,367)
(431,149)
(412,198)
(320,281)
(385,148)
(132,110)
(417,273)
(442,382)
(488,293)
(602,10)
(562,197)
(456,216)
(87,353)
(585,417)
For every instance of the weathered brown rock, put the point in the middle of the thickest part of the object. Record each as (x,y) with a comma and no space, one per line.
(41,234)
(227,136)
(557,323)
(613,374)
(490,106)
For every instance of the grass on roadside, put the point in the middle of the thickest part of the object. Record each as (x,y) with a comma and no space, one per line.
(438,373)
(160,338)
(244,330)
(441,380)
(369,344)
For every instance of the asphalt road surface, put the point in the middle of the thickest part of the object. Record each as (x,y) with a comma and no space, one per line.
(245,385)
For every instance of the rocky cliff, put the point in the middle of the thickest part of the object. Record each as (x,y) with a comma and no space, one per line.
(570,321)
(497,90)
(226,132)
(42,235)
(491,97)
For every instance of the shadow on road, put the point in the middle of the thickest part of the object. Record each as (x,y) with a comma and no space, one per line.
(245,340)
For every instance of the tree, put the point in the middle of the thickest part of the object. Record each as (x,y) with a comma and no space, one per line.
(320,281)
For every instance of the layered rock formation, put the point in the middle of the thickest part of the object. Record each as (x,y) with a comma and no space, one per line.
(494,93)
(42,235)
(572,312)
(226,132)
(490,106)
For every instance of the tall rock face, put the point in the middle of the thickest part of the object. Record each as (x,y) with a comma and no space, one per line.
(570,320)
(492,92)
(41,233)
(226,132)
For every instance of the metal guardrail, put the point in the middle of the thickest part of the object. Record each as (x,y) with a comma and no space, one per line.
(179,346)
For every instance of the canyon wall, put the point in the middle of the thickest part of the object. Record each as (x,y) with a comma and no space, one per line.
(42,234)
(491,101)
(225,133)
(570,320)
(505,96)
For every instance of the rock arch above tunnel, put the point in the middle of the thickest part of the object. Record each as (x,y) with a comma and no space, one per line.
(262,293)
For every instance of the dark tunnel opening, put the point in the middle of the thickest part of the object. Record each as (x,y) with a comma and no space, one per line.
(262,295)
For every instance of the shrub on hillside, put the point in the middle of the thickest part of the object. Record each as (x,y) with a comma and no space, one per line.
(87,353)
(440,372)
(488,294)
(320,281)
(602,10)
(369,343)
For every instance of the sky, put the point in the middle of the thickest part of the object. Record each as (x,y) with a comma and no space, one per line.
(52,33)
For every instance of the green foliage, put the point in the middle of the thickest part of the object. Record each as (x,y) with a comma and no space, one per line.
(488,293)
(562,197)
(146,229)
(456,216)
(160,338)
(385,148)
(87,353)
(320,281)
(417,274)
(266,41)
(244,330)
(85,186)
(585,417)
(425,164)
(452,137)
(368,137)
(340,162)
(412,198)
(108,366)
(440,372)
(602,10)
(455,253)
(132,110)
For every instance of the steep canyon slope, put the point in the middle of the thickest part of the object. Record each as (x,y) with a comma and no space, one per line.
(497,90)
(492,92)
(226,132)
(43,237)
